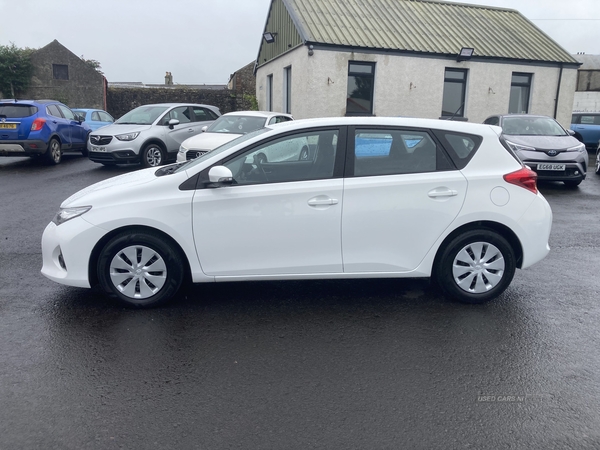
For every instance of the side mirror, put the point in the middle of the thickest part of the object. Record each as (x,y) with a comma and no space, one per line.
(172,123)
(571,132)
(204,128)
(220,175)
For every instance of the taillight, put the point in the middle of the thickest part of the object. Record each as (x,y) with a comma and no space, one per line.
(38,124)
(525,177)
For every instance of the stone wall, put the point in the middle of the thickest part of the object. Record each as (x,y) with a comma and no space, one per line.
(121,100)
(81,86)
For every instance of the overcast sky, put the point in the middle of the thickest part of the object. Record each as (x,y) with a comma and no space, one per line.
(204,41)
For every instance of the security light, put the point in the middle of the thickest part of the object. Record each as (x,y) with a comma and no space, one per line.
(269,37)
(465,54)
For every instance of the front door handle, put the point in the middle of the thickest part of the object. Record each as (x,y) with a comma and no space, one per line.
(323,200)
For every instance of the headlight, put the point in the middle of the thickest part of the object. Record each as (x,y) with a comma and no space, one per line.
(127,136)
(182,149)
(578,148)
(65,214)
(518,147)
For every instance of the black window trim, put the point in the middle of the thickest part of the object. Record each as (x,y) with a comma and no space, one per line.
(460,113)
(372,75)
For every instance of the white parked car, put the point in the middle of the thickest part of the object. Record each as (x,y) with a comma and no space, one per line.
(324,198)
(226,128)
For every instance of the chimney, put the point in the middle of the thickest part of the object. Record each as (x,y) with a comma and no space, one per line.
(168,78)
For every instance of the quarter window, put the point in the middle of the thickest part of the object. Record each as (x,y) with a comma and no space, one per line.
(455,87)
(391,152)
(305,156)
(359,101)
(520,88)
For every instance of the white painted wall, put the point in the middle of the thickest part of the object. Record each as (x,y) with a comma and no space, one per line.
(409,86)
(586,102)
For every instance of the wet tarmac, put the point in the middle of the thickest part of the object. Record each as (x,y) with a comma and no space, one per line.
(365,364)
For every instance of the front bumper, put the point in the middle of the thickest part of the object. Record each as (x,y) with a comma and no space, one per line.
(66,251)
(576,164)
(120,157)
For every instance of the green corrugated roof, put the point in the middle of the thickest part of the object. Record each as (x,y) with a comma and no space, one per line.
(424,26)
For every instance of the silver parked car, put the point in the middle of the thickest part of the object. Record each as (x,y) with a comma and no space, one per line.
(150,134)
(545,146)
(226,128)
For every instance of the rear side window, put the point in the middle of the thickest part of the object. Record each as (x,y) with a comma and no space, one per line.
(17,111)
(394,152)
(461,147)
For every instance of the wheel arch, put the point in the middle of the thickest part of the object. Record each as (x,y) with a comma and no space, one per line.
(499,228)
(95,254)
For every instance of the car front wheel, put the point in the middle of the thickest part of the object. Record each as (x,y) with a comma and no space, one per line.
(475,267)
(140,269)
(598,164)
(152,156)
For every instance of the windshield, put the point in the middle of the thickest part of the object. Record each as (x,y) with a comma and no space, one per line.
(236,124)
(532,126)
(222,148)
(144,115)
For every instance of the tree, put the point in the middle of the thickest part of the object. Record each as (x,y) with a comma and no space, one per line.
(93,64)
(15,69)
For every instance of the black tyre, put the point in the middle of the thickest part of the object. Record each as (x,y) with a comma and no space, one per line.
(475,267)
(53,155)
(597,168)
(152,155)
(572,183)
(140,269)
(84,149)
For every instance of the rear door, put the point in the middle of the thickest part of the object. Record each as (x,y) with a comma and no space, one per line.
(402,192)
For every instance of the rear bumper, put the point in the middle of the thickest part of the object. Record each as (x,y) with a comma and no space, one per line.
(32,147)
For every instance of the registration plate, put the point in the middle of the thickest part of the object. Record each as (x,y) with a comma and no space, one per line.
(98,149)
(8,126)
(551,166)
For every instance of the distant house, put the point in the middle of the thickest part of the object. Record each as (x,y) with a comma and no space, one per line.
(587,95)
(420,58)
(60,74)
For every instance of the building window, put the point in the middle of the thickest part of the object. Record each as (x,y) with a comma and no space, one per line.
(359,101)
(287,90)
(520,88)
(60,71)
(270,92)
(455,87)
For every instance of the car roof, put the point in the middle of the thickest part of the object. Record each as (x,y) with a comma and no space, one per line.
(170,105)
(257,114)
(19,102)
(409,122)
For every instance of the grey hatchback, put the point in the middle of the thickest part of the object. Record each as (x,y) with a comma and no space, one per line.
(544,145)
(149,134)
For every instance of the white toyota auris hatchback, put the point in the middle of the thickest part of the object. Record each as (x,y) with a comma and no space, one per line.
(322,198)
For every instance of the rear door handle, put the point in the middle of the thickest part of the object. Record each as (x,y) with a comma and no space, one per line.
(442,192)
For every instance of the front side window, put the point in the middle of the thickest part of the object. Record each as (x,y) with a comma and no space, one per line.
(361,77)
(53,111)
(303,156)
(105,117)
(201,114)
(520,88)
(66,112)
(392,152)
(455,87)
(181,113)
(60,71)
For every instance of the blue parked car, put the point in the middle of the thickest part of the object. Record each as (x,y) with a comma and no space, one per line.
(95,118)
(587,128)
(40,128)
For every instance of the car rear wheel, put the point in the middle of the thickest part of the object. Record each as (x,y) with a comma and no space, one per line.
(152,156)
(597,164)
(140,269)
(53,154)
(475,267)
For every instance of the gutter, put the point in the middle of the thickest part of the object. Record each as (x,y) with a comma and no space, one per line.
(558,90)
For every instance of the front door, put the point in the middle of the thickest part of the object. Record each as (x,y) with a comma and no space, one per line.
(281,216)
